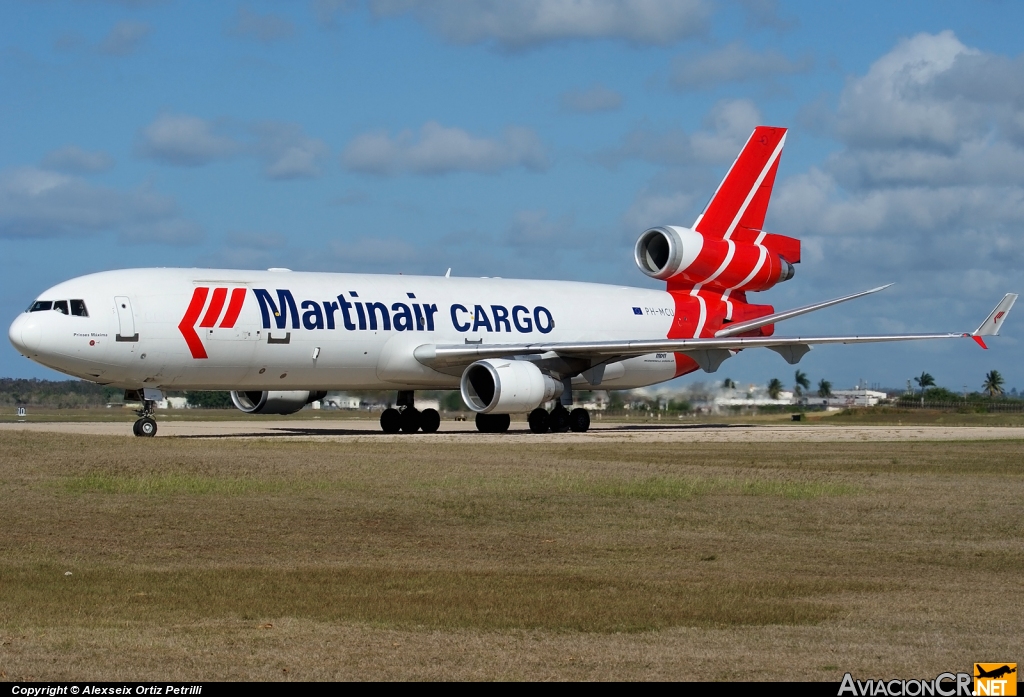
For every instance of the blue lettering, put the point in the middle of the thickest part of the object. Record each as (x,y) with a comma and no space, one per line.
(524,324)
(430,310)
(455,320)
(345,317)
(371,310)
(402,317)
(280,316)
(480,319)
(537,312)
(500,318)
(329,309)
(362,316)
(419,316)
(313,317)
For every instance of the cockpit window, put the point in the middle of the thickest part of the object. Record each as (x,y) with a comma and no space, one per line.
(61,306)
(78,308)
(41,305)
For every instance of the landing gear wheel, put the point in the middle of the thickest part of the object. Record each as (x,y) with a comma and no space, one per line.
(579,420)
(409,420)
(493,423)
(558,419)
(391,421)
(145,427)
(538,420)
(430,420)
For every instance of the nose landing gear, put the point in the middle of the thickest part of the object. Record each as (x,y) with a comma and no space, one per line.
(145,427)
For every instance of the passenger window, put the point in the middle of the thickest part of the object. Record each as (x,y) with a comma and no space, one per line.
(78,308)
(41,305)
(61,306)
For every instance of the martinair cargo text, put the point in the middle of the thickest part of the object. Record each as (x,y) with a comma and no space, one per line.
(279,340)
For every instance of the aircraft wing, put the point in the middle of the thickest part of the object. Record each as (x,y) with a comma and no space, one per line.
(709,353)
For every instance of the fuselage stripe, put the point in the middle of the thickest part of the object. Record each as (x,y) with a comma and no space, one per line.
(216,305)
(187,327)
(234,308)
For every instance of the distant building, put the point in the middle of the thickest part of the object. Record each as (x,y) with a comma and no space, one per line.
(172,403)
(341,401)
(850,398)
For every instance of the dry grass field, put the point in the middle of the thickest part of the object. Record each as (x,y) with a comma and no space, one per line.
(471,558)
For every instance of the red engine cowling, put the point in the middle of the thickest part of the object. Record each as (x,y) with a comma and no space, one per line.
(679,254)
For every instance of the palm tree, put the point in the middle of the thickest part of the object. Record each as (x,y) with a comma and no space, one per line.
(993,383)
(774,388)
(802,383)
(924,381)
(729,384)
(824,388)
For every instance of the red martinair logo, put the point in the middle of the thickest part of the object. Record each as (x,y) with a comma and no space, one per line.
(187,327)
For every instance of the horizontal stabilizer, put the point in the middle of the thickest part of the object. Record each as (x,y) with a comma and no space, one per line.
(750,325)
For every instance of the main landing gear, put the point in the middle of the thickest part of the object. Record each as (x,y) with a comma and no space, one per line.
(559,420)
(407,418)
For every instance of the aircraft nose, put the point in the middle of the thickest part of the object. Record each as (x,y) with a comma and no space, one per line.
(25,335)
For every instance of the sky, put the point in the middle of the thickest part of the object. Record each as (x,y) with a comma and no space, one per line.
(528,139)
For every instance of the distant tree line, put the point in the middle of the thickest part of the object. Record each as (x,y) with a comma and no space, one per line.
(58,394)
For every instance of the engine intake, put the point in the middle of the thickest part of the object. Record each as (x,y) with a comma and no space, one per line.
(506,387)
(287,402)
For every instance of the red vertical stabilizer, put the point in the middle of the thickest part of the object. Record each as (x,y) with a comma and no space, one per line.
(742,197)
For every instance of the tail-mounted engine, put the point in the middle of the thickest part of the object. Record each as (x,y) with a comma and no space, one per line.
(507,387)
(748,262)
(274,402)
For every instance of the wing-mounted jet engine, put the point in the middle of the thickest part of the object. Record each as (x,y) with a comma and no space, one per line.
(286,402)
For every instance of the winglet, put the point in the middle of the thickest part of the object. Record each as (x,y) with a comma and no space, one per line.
(994,322)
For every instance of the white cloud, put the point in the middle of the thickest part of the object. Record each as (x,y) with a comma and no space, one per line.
(74,160)
(651,208)
(764,14)
(327,11)
(180,139)
(726,128)
(929,183)
(265,28)
(287,153)
(894,103)
(593,99)
(40,203)
(733,63)
(534,229)
(124,38)
(440,150)
(189,141)
(517,24)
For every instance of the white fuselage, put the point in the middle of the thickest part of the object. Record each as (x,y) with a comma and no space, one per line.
(344,331)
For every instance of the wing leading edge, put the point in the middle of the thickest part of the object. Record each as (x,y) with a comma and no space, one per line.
(709,353)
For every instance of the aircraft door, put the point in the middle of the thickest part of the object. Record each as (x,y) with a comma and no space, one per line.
(125,319)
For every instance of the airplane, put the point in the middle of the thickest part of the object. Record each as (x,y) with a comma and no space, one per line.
(279,340)
(994,673)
